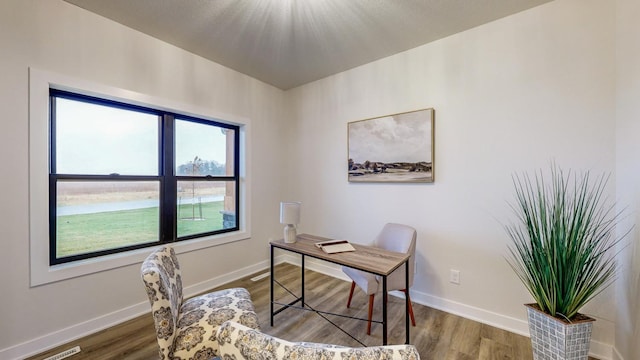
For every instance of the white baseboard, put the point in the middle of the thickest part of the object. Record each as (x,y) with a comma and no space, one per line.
(225,279)
(597,349)
(77,331)
(71,333)
(38,345)
(500,321)
(600,350)
(616,355)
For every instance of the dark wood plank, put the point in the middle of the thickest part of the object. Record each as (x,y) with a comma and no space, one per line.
(490,349)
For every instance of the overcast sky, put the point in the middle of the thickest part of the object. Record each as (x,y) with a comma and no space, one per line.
(403,137)
(94,139)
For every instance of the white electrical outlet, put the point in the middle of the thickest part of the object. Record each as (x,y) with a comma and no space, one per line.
(454,277)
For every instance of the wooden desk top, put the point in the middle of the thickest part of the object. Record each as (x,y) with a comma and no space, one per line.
(366,258)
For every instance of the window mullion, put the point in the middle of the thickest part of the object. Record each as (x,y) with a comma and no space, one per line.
(52,181)
(236,174)
(169,184)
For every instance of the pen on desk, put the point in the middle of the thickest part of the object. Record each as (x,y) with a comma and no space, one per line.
(327,243)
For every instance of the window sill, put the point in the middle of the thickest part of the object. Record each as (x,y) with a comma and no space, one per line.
(41,275)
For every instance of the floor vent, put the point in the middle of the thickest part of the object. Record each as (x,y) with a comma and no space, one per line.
(64,354)
(260,277)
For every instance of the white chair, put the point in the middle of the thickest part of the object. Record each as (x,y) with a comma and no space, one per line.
(393,237)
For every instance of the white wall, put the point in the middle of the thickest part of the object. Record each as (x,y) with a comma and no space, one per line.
(58,37)
(510,96)
(628,174)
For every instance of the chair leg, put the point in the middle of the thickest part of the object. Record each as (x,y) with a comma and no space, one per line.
(353,286)
(370,313)
(413,319)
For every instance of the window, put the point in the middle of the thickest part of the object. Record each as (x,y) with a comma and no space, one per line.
(124,177)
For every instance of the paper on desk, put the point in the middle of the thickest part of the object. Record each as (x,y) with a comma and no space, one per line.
(335,246)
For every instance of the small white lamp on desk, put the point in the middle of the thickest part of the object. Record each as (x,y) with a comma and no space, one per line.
(290,216)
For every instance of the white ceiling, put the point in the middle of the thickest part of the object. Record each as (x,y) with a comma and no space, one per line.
(288,43)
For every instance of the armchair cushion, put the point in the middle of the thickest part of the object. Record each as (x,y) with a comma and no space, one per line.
(238,342)
(201,316)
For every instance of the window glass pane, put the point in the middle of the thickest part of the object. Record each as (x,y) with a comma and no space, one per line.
(95,211)
(205,206)
(98,140)
(96,216)
(203,149)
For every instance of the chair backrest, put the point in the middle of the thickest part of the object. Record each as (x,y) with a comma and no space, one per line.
(399,238)
(163,282)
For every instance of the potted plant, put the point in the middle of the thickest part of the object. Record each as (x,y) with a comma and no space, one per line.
(563,250)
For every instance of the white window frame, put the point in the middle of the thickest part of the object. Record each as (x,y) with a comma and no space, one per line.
(40,82)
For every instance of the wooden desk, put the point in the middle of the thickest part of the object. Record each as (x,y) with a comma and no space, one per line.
(366,258)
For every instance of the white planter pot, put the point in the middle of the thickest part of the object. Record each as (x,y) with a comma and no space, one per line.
(555,339)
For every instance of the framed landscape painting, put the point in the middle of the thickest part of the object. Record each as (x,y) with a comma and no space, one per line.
(392,148)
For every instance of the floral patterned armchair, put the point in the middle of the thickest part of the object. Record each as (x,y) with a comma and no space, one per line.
(187,329)
(238,342)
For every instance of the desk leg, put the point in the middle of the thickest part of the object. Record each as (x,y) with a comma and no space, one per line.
(406,302)
(271,295)
(384,310)
(302,283)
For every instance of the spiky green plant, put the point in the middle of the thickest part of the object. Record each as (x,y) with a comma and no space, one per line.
(563,242)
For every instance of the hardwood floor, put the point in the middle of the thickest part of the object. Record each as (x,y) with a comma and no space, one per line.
(437,335)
